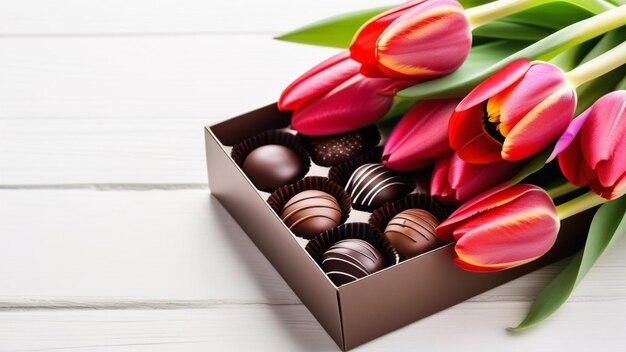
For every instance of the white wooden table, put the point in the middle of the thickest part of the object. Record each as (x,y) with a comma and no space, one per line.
(109,239)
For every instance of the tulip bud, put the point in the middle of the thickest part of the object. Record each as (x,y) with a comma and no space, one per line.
(592,149)
(514,114)
(420,39)
(455,181)
(420,137)
(502,229)
(333,97)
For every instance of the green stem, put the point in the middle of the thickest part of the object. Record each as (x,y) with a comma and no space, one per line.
(621,85)
(602,64)
(579,204)
(561,189)
(481,15)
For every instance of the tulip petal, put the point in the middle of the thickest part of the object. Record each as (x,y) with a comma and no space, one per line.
(521,231)
(363,46)
(538,83)
(572,163)
(420,137)
(336,112)
(415,45)
(488,268)
(603,137)
(541,126)
(495,84)
(318,81)
(439,184)
(568,137)
(468,180)
(493,198)
(470,140)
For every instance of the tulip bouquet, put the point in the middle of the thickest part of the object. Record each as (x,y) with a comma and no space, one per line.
(485,94)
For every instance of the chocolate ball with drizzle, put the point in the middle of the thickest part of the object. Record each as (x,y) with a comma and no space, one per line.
(372,185)
(351,259)
(412,232)
(311,212)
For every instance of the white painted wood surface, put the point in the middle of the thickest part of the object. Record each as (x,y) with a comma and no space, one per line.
(109,239)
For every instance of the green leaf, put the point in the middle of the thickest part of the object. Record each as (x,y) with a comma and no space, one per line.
(335,32)
(511,31)
(607,227)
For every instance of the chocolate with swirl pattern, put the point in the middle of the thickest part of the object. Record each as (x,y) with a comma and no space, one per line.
(372,185)
(351,259)
(311,212)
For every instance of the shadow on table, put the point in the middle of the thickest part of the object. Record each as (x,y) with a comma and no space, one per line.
(275,289)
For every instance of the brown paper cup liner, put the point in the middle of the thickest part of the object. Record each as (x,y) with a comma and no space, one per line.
(359,230)
(371,138)
(281,196)
(381,216)
(241,150)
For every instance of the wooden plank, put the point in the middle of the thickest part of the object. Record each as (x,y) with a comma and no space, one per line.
(579,327)
(75,17)
(212,77)
(89,248)
(98,150)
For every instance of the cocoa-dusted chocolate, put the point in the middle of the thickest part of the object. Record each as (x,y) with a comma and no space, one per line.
(351,259)
(332,150)
(372,185)
(412,232)
(311,212)
(271,166)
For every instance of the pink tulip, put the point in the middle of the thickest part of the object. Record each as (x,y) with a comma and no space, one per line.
(502,229)
(514,114)
(420,39)
(420,137)
(455,181)
(593,149)
(333,97)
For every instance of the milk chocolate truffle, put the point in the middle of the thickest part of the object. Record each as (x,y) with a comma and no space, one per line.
(351,259)
(271,166)
(332,150)
(310,213)
(412,232)
(372,185)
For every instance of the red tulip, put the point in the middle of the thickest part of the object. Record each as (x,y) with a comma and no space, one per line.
(502,229)
(593,149)
(455,181)
(420,137)
(333,97)
(513,114)
(420,39)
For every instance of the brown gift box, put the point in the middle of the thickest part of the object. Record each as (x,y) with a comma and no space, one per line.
(369,307)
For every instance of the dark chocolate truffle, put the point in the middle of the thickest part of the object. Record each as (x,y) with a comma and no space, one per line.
(332,150)
(310,213)
(271,166)
(412,232)
(372,185)
(351,259)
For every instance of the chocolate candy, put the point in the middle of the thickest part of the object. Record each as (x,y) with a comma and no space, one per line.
(332,150)
(372,185)
(311,212)
(271,166)
(351,259)
(412,232)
